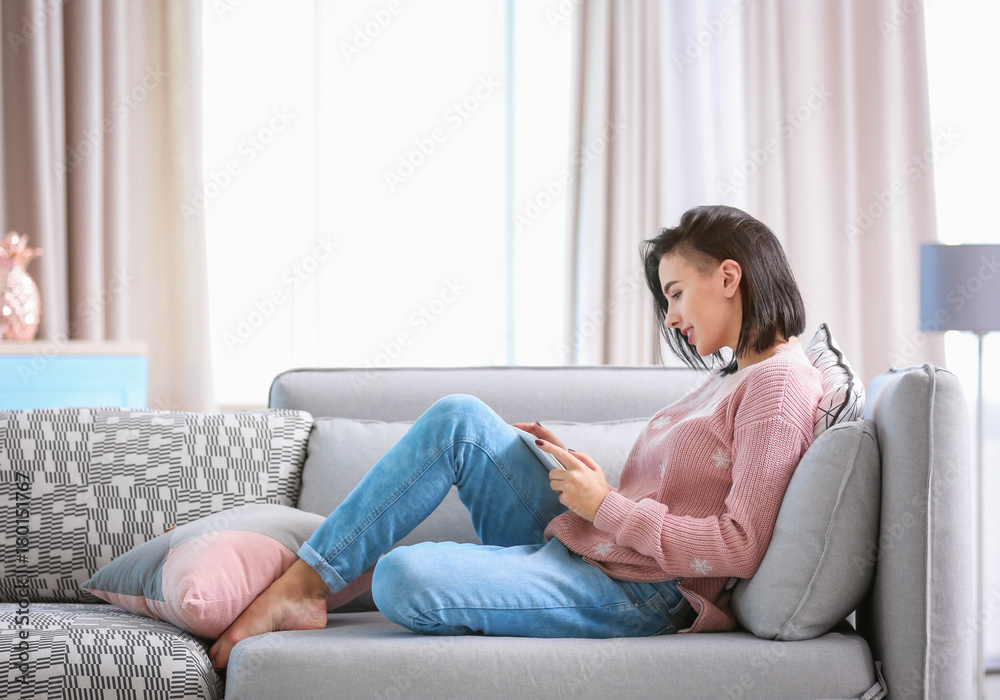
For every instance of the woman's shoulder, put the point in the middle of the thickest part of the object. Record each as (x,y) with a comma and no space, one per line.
(785,384)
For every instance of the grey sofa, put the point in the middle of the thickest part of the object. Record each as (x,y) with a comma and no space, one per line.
(912,635)
(915,621)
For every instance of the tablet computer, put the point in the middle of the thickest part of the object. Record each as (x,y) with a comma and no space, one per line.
(548,461)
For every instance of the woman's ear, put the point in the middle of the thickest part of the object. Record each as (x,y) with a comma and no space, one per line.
(732,273)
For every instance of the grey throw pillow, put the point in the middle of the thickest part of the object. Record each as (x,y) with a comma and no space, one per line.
(342,450)
(822,554)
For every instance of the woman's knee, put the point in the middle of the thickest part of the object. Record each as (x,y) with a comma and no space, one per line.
(394,581)
(411,586)
(459,407)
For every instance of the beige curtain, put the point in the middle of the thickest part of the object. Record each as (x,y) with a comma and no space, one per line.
(851,188)
(615,181)
(101,110)
(812,116)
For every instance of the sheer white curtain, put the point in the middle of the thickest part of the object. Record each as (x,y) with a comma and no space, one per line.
(101,111)
(441,252)
(811,116)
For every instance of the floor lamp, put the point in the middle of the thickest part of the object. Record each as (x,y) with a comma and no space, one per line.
(960,291)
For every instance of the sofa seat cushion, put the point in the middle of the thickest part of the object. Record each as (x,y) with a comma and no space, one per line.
(88,651)
(363,655)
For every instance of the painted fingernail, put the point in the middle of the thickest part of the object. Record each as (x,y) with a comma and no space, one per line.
(571,449)
(538,424)
(539,443)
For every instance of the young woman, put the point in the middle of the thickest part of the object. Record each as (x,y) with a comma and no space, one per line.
(564,554)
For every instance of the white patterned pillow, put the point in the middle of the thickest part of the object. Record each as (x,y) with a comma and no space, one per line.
(843,394)
(93,483)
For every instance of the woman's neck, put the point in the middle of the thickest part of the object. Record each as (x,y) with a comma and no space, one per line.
(752,358)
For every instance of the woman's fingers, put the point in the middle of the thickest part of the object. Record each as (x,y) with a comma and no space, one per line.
(540,431)
(565,457)
(581,486)
(587,460)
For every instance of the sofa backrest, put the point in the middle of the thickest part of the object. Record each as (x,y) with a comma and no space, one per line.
(360,414)
(579,394)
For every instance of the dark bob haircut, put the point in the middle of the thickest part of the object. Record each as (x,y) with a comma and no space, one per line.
(705,237)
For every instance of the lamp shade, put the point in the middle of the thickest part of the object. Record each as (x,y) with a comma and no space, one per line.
(960,288)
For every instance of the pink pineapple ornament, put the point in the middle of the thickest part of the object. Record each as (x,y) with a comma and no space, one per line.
(20,305)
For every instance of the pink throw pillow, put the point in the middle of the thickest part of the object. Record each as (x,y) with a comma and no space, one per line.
(202,575)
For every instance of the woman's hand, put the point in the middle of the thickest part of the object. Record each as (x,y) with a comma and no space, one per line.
(538,431)
(581,486)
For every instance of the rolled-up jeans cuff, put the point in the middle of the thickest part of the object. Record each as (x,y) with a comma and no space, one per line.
(330,577)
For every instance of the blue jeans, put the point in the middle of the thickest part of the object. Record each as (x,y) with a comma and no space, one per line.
(515,583)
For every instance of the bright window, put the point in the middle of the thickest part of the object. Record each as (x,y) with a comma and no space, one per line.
(366,165)
(963,58)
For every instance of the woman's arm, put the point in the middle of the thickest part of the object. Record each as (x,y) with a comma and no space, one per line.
(764,454)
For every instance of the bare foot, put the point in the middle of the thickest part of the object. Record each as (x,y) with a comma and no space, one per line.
(296,601)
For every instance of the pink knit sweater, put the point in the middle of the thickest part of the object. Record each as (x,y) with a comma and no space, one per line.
(700,490)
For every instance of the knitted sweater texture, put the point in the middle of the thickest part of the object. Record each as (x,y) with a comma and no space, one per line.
(700,490)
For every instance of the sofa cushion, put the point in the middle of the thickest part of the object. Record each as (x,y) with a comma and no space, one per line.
(843,393)
(350,657)
(342,450)
(96,483)
(202,575)
(98,651)
(820,561)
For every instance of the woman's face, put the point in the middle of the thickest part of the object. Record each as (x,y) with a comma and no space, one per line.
(704,306)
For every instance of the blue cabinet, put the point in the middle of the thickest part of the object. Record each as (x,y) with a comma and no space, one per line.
(47,374)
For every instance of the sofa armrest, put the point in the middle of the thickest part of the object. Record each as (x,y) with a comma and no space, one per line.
(919,616)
